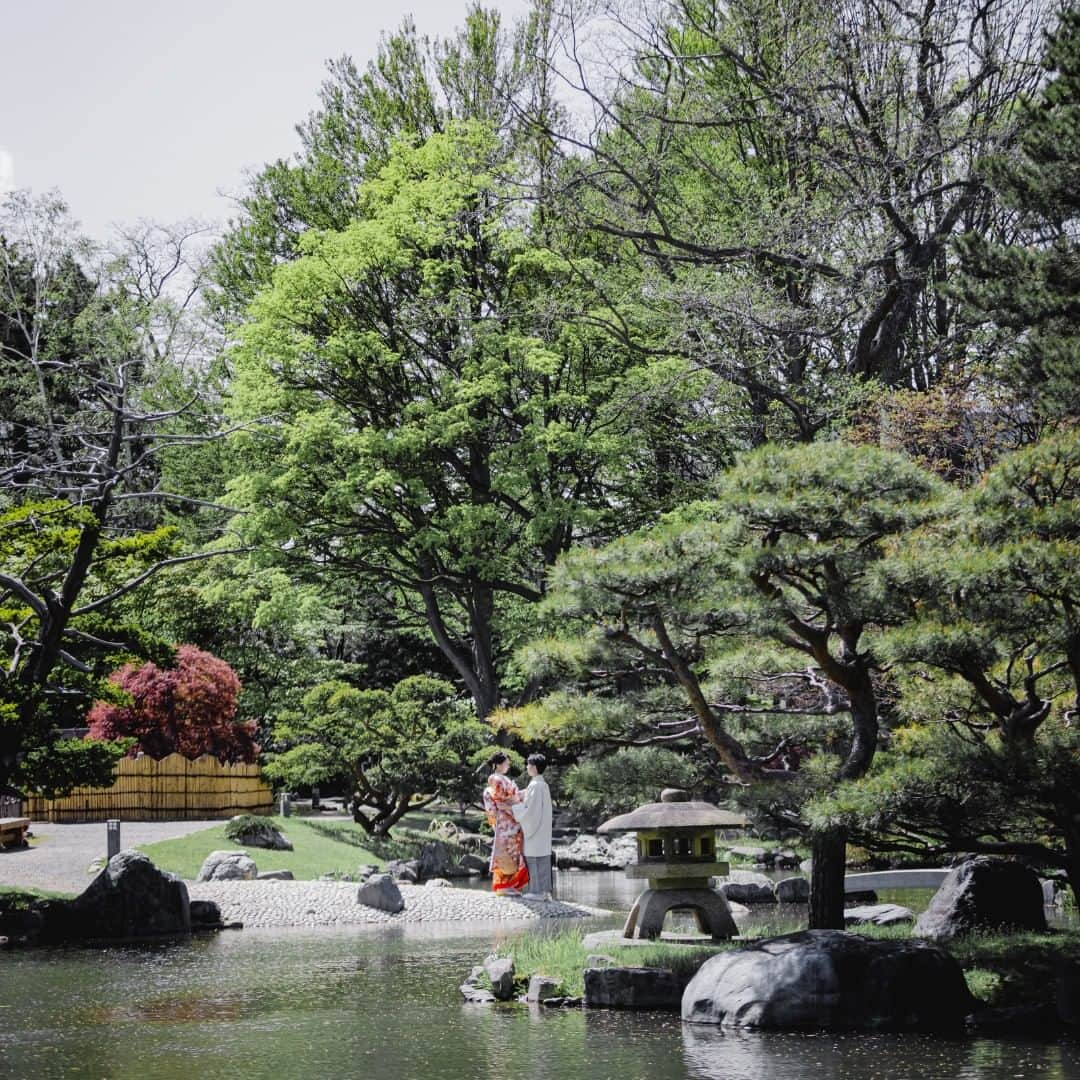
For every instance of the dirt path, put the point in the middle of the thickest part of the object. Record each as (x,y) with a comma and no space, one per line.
(59,856)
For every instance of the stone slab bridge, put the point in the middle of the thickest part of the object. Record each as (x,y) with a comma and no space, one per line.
(894,879)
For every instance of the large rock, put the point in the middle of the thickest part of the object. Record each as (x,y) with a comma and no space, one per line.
(473,992)
(228,866)
(436,860)
(204,914)
(541,988)
(633,988)
(983,893)
(472,863)
(130,898)
(500,970)
(747,887)
(793,890)
(878,915)
(830,980)
(407,870)
(251,832)
(380,891)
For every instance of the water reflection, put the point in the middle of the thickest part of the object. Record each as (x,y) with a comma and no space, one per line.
(714,1055)
(357,1002)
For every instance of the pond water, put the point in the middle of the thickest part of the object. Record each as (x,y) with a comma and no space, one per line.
(384,1004)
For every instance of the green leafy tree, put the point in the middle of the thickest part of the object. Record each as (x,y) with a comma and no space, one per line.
(1031,286)
(439,418)
(85,344)
(398,749)
(794,176)
(414,88)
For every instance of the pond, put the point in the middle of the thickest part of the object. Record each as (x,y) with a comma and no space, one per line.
(384,1004)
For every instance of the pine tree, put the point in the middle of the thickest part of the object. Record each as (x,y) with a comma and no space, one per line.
(1032,286)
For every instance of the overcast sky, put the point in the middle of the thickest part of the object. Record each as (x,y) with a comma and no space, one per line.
(154,108)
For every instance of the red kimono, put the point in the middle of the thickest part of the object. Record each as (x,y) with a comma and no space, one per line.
(508,870)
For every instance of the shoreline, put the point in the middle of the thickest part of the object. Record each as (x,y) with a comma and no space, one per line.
(259,904)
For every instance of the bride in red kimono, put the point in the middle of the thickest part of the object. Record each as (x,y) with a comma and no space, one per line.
(509,874)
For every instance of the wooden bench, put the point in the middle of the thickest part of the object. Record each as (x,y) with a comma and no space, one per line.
(13,831)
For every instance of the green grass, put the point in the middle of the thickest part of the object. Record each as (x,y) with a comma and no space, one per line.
(319,847)
(18,897)
(562,956)
(1016,969)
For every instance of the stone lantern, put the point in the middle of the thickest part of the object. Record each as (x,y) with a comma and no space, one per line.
(677,855)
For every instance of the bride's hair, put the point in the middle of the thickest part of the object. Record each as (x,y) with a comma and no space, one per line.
(498,758)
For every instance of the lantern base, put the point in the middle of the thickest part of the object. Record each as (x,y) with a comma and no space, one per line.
(710,909)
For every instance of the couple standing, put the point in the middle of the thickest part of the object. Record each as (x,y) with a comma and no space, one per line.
(521,851)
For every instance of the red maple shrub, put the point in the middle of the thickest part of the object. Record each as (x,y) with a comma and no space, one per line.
(189,709)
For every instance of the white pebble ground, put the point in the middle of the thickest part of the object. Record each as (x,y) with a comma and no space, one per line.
(333,903)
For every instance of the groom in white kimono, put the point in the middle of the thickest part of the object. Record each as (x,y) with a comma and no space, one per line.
(534,815)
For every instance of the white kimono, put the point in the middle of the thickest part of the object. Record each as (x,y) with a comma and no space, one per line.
(534,816)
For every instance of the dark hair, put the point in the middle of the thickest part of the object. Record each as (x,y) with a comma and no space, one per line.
(538,760)
(498,758)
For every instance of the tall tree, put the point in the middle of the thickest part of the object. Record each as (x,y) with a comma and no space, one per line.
(86,345)
(993,635)
(795,174)
(1031,287)
(762,610)
(443,407)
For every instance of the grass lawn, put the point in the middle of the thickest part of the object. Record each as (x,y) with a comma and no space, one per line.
(319,847)
(15,897)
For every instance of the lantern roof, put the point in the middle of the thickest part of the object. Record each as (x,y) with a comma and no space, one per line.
(675,810)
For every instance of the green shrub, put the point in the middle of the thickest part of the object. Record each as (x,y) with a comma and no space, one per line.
(237,826)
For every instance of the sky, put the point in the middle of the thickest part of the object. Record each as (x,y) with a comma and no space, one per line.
(156,108)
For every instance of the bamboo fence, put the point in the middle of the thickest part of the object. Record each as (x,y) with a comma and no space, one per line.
(170,789)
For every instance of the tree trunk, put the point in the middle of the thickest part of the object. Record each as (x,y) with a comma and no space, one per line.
(829,854)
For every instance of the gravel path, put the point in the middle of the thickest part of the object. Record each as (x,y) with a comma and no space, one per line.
(333,903)
(59,857)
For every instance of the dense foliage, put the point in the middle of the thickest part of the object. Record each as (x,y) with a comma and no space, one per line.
(686,389)
(188,708)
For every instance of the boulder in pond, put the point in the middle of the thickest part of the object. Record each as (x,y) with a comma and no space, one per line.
(747,887)
(471,863)
(983,893)
(380,891)
(228,866)
(205,914)
(500,970)
(878,915)
(824,980)
(786,859)
(793,890)
(473,992)
(131,898)
(541,988)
